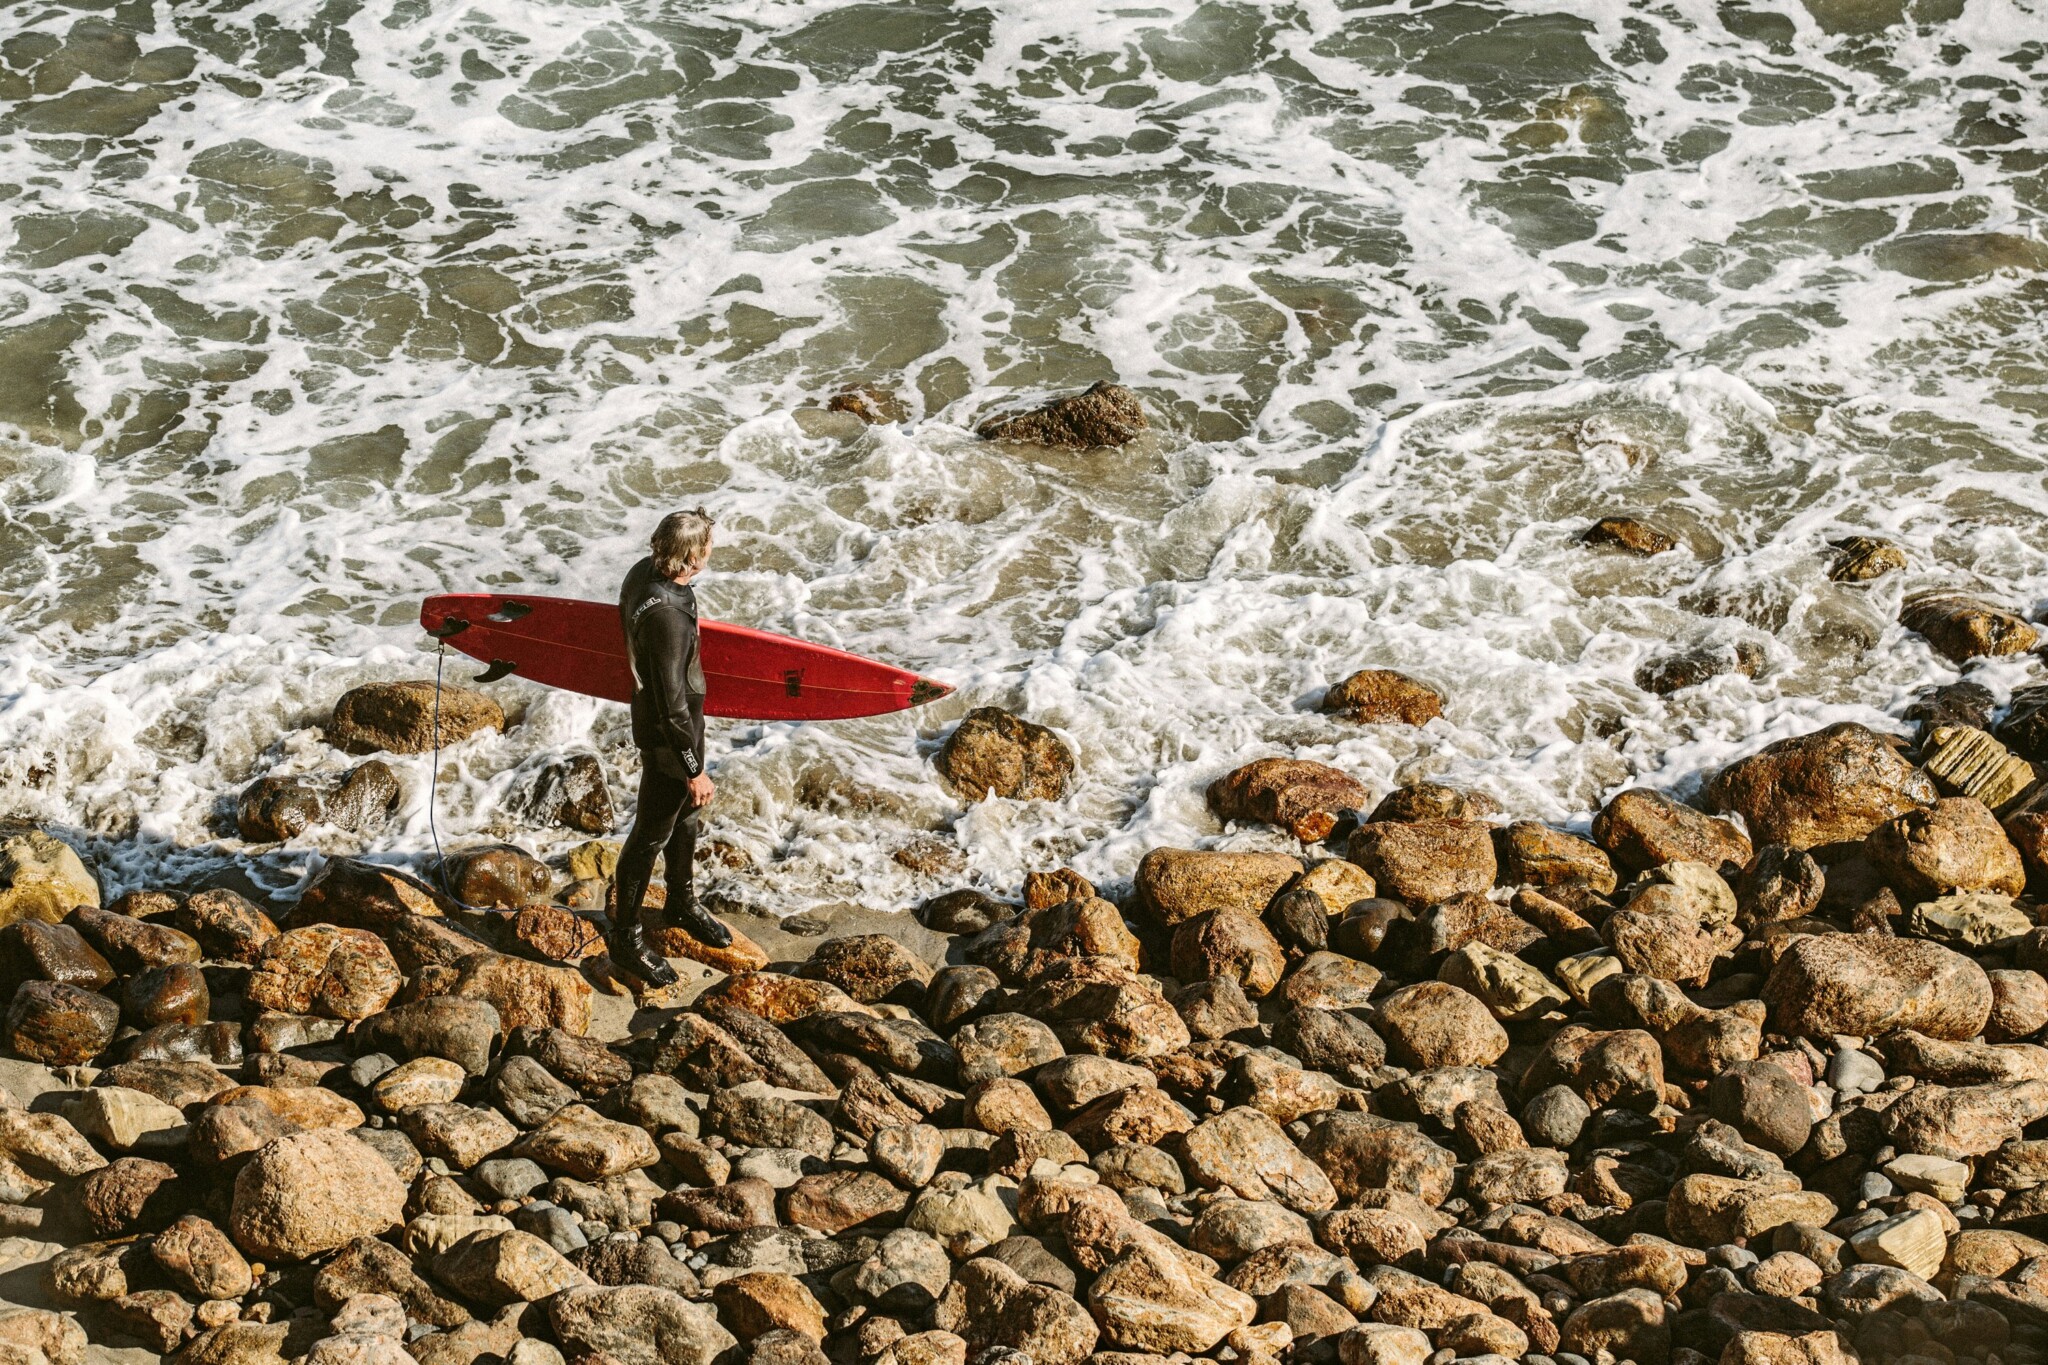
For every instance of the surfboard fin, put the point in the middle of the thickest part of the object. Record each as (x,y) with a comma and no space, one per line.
(925,690)
(500,668)
(449,628)
(509,611)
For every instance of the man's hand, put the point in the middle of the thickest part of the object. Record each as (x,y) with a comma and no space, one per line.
(701,789)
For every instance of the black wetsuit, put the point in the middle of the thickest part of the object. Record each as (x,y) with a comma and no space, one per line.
(660,619)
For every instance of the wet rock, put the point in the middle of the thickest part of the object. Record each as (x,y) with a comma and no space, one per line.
(995,753)
(399,718)
(34,950)
(1226,944)
(1858,559)
(1670,673)
(1420,801)
(226,925)
(1300,797)
(1425,862)
(1864,985)
(1832,786)
(1104,414)
(42,878)
(324,970)
(965,911)
(271,810)
(1626,533)
(1643,829)
(871,968)
(1435,1024)
(1953,845)
(312,1192)
(574,795)
(550,933)
(1380,696)
(1961,628)
(1176,884)
(359,895)
(166,995)
(366,798)
(497,877)
(59,1025)
(199,1259)
(133,945)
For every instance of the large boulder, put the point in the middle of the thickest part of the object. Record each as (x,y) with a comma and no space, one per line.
(1176,884)
(994,753)
(1865,985)
(42,878)
(1955,844)
(1832,786)
(1105,414)
(1301,797)
(1642,829)
(399,717)
(1425,861)
(311,1192)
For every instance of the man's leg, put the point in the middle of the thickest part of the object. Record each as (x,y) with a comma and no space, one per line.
(662,800)
(682,909)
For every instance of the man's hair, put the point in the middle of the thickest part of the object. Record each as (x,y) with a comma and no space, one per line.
(682,541)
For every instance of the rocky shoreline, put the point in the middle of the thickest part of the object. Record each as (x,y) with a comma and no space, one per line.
(1759,1081)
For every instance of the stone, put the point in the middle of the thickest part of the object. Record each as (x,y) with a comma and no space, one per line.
(1215,1008)
(2019,1005)
(462,1031)
(1420,801)
(638,1324)
(1641,829)
(199,1259)
(1626,533)
(1223,943)
(1147,1300)
(226,925)
(1231,1229)
(1106,1010)
(965,911)
(1376,1343)
(870,968)
(271,810)
(1863,985)
(1329,1040)
(1832,786)
(1299,796)
(31,949)
(130,944)
(359,895)
(400,717)
(765,1301)
(311,1192)
(1958,1122)
(549,933)
(1784,883)
(124,1119)
(1102,415)
(498,1268)
(840,1200)
(42,878)
(1761,1101)
(424,1080)
(1176,884)
(1954,844)
(175,994)
(1554,1116)
(1360,1152)
(366,799)
(1912,1241)
(1858,559)
(1532,854)
(457,1133)
(1381,696)
(1622,1066)
(59,1025)
(1668,673)
(1424,862)
(964,1221)
(995,753)
(332,972)
(59,1339)
(1965,761)
(1073,1083)
(1510,988)
(525,994)
(1245,1151)
(496,877)
(1631,1325)
(1527,1175)
(989,1304)
(1329,981)
(580,1142)
(132,1194)
(1962,628)
(573,794)
(1969,919)
(1435,1024)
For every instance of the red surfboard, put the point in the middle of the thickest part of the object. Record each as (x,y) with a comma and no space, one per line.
(748,674)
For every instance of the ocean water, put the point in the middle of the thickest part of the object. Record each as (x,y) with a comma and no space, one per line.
(310,308)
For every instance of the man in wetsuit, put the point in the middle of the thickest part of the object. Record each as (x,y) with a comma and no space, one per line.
(658,608)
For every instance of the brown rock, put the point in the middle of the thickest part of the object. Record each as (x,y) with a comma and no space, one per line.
(989,1304)
(995,753)
(1244,1151)
(1858,559)
(1301,797)
(366,798)
(1363,1152)
(763,1301)
(59,1025)
(201,1260)
(1624,1066)
(1626,533)
(1419,801)
(839,1200)
(1670,673)
(1832,786)
(1224,943)
(226,925)
(273,809)
(496,877)
(1961,628)
(1380,696)
(548,933)
(133,945)
(525,993)
(32,949)
(1150,1300)
(399,717)
(1104,414)
(574,795)
(1960,1122)
(1531,854)
(1176,884)
(1865,985)
(370,1266)
(360,895)
(1642,829)
(1953,845)
(871,968)
(312,1192)
(42,878)
(131,1195)
(1106,1010)
(320,969)
(1435,1024)
(580,1142)
(1632,1325)
(1426,861)
(166,995)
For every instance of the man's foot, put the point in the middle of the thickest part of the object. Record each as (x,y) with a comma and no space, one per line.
(700,924)
(632,955)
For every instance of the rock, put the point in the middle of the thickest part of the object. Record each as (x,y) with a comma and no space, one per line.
(32,949)
(1148,1300)
(1964,1121)
(1624,1067)
(1105,1010)
(1953,845)
(132,1194)
(1554,1117)
(995,753)
(839,1200)
(1176,884)
(1104,414)
(496,877)
(1784,883)
(226,925)
(166,995)
(1971,919)
(574,795)
(1425,862)
(1376,1343)
(2025,727)
(399,717)
(871,968)
(447,1026)
(271,810)
(1435,1024)
(312,1192)
(965,911)
(638,1324)
(59,1025)
(1643,829)
(910,1153)
(360,895)
(199,1259)
(1231,1229)
(1224,943)
(498,1268)
(1420,801)
(2019,1006)
(1965,761)
(964,1221)
(121,1118)
(990,1304)
(525,994)
(133,945)
(1532,854)
(1301,797)
(456,1133)
(1912,1241)
(1961,628)
(1858,559)
(324,970)
(1300,919)
(1509,987)
(1832,786)
(1215,1008)
(1669,947)
(1361,1152)
(1762,1102)
(1517,1176)
(59,1340)
(549,933)
(1631,1325)
(366,798)
(762,1120)
(1244,1151)
(1626,533)
(1380,696)
(1670,673)
(1863,985)
(42,878)
(580,1142)
(1330,981)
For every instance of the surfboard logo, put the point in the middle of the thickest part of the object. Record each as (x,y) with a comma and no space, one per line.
(793,682)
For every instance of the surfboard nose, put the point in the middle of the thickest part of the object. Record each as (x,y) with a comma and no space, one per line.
(925,690)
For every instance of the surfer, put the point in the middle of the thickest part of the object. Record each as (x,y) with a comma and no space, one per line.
(658,608)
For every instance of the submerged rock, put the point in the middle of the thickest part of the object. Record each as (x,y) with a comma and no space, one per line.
(1381,696)
(1104,415)
(995,753)
(400,718)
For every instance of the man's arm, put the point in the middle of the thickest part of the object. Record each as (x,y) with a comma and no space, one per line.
(671,646)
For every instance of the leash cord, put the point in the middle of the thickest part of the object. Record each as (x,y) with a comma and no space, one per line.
(434,779)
